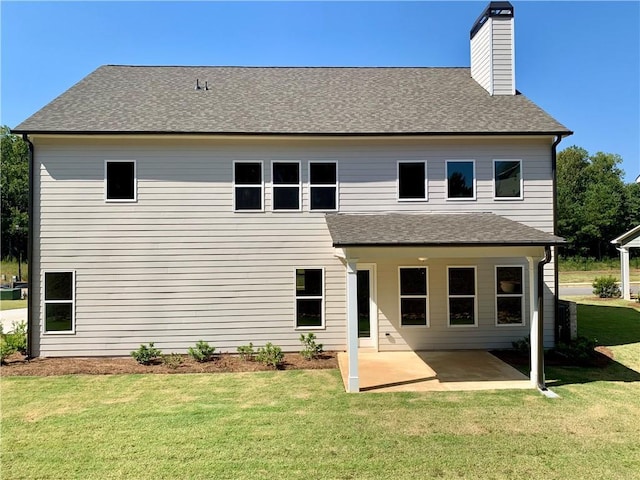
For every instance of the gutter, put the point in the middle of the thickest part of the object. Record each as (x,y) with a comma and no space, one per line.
(556,281)
(30,256)
(547,259)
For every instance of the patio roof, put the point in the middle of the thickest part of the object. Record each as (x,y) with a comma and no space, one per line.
(464,229)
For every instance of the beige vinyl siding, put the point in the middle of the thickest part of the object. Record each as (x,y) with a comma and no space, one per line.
(179,265)
(439,335)
(503,63)
(481,68)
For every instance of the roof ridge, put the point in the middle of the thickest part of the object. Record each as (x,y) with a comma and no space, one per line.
(391,67)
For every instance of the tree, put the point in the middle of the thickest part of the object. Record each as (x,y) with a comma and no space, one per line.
(14,193)
(593,201)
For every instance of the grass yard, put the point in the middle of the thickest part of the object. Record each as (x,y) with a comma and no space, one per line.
(301,424)
(9,268)
(12,304)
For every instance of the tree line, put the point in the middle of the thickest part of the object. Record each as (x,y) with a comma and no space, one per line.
(594,203)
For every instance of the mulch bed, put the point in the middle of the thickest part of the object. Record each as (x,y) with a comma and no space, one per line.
(16,365)
(602,358)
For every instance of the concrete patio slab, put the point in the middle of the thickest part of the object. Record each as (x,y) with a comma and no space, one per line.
(433,371)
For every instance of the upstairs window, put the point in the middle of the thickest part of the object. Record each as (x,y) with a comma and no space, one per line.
(412,181)
(120,180)
(323,186)
(286,186)
(462,296)
(507,178)
(59,302)
(247,179)
(309,298)
(461,181)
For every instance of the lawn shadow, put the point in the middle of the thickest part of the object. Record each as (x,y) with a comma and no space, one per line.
(614,372)
(610,326)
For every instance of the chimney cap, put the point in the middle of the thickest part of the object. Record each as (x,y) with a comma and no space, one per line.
(494,9)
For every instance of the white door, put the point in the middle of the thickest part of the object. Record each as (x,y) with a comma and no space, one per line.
(367,307)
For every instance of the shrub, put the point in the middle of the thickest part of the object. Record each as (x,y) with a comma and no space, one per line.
(246,351)
(203,352)
(577,352)
(15,341)
(271,355)
(523,345)
(606,287)
(173,360)
(311,349)
(146,354)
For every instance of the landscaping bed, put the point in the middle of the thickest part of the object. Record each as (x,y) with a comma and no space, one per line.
(16,365)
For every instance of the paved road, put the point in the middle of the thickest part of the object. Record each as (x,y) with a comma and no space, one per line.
(10,316)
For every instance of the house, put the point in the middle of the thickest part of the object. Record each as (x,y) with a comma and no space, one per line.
(394,208)
(624,243)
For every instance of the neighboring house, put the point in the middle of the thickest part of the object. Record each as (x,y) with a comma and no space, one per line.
(395,208)
(624,243)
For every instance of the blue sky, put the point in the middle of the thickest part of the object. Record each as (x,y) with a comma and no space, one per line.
(580,61)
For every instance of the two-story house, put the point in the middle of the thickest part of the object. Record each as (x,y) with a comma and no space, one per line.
(395,208)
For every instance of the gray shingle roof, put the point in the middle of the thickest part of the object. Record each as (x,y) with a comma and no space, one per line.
(433,230)
(283,100)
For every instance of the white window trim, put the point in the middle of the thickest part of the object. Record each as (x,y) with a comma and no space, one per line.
(474,296)
(510,295)
(425,296)
(446,181)
(72,301)
(295,300)
(286,185)
(246,185)
(135,183)
(426,182)
(311,185)
(502,199)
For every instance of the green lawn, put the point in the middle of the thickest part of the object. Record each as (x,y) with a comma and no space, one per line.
(12,304)
(301,424)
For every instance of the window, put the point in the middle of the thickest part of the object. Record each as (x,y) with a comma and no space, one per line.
(120,180)
(247,179)
(413,296)
(412,181)
(462,296)
(507,178)
(59,300)
(509,297)
(309,298)
(323,186)
(461,181)
(286,186)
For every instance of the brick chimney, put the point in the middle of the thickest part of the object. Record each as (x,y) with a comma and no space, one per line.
(492,50)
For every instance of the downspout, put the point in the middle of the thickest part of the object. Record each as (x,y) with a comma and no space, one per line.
(556,283)
(547,258)
(30,327)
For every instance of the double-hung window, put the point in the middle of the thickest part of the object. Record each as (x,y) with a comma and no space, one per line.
(507,179)
(286,186)
(59,302)
(120,180)
(247,186)
(413,297)
(323,186)
(462,296)
(461,180)
(412,181)
(509,295)
(309,298)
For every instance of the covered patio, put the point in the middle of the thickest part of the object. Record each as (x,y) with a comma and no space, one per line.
(432,246)
(432,371)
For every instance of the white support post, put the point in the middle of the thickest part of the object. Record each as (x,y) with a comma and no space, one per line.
(533,308)
(353,384)
(624,273)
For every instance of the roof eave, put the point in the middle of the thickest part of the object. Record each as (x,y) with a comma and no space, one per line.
(452,244)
